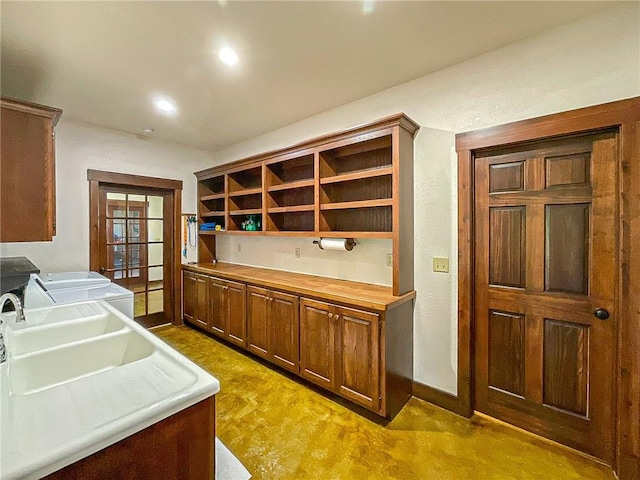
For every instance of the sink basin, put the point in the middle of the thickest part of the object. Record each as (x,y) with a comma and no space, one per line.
(48,315)
(49,335)
(43,369)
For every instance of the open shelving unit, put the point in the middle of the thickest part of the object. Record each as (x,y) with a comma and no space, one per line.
(357,183)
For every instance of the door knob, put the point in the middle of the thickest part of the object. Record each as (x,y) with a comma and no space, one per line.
(601,313)
(102,270)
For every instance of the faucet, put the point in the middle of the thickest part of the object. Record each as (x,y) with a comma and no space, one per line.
(17,304)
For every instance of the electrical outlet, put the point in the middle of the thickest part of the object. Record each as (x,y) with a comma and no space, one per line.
(238,247)
(297,252)
(389,259)
(441,264)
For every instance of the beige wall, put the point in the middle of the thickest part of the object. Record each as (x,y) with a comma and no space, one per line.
(80,146)
(592,61)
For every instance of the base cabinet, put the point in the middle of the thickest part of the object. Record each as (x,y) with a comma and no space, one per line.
(363,356)
(216,305)
(339,350)
(272,326)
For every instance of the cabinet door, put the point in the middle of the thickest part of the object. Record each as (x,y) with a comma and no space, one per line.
(27,177)
(283,325)
(201,314)
(237,325)
(189,298)
(318,342)
(358,364)
(258,300)
(217,306)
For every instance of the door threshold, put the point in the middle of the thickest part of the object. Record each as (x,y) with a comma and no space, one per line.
(543,439)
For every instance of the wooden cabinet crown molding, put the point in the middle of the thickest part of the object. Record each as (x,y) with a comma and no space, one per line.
(399,119)
(32,108)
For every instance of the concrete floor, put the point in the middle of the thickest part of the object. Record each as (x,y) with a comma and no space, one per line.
(280,429)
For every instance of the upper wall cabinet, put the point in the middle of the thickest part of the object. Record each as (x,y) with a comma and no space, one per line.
(355,184)
(27,172)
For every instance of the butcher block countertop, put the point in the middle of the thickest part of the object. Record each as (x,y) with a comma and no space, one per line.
(363,295)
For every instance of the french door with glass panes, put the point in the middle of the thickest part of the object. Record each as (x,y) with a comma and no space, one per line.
(135,238)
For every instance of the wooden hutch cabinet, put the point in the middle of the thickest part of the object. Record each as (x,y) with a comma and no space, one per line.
(352,184)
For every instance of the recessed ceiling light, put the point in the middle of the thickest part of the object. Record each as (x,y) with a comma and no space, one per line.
(228,56)
(148,130)
(165,105)
(368,6)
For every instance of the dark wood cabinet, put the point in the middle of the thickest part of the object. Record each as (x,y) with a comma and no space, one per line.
(272,326)
(216,305)
(318,343)
(358,356)
(339,350)
(353,339)
(195,297)
(27,172)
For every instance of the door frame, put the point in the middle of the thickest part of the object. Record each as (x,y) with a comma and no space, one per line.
(625,116)
(97,178)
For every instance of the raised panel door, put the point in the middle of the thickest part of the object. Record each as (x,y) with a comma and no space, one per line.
(318,342)
(190,301)
(283,324)
(201,314)
(237,319)
(358,355)
(257,321)
(545,217)
(218,317)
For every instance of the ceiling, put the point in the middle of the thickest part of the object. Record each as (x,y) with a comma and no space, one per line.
(101,62)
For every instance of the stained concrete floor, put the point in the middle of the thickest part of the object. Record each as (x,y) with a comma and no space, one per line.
(281,429)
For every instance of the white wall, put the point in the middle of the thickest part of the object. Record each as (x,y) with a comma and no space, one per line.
(80,146)
(592,61)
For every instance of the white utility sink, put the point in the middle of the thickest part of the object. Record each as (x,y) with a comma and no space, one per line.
(48,334)
(36,371)
(81,377)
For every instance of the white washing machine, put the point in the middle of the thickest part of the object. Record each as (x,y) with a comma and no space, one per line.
(72,287)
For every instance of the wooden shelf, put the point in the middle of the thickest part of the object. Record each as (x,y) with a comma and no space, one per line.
(215,196)
(385,202)
(247,211)
(291,185)
(357,175)
(294,208)
(210,232)
(247,191)
(364,179)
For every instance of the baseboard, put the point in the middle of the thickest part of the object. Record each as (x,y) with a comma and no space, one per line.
(438,397)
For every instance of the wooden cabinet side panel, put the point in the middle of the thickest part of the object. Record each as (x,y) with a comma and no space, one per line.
(181,446)
(318,343)
(236,311)
(257,321)
(396,343)
(26,176)
(284,327)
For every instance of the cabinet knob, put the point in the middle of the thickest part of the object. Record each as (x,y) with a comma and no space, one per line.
(331,315)
(601,313)
(337,317)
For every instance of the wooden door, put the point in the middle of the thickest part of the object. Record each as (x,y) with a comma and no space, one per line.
(257,326)
(283,326)
(318,342)
(218,306)
(358,357)
(237,325)
(189,298)
(545,275)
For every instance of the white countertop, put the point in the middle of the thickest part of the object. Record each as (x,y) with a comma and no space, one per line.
(45,430)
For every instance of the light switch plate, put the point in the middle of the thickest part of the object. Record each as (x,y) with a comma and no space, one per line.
(441,264)
(297,252)
(389,259)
